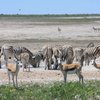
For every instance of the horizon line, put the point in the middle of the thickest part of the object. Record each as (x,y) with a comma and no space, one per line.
(55,14)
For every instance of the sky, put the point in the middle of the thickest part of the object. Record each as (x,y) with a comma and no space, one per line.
(49,6)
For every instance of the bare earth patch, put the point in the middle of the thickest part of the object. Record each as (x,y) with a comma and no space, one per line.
(34,35)
(39,75)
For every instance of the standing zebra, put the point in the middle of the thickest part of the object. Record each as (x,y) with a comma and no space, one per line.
(68,54)
(47,56)
(8,52)
(91,53)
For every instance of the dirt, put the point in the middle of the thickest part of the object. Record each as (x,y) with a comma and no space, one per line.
(34,36)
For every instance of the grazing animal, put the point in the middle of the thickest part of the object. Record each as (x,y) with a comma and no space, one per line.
(37,57)
(70,67)
(33,59)
(21,50)
(13,69)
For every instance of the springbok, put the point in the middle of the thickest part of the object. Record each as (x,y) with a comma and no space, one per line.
(96,29)
(59,29)
(13,69)
(71,67)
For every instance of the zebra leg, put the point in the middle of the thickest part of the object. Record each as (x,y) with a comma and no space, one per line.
(23,68)
(48,66)
(0,63)
(28,67)
(45,65)
(38,64)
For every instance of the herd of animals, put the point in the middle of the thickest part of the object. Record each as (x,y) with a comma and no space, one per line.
(64,58)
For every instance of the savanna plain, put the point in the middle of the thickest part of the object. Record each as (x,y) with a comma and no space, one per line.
(33,32)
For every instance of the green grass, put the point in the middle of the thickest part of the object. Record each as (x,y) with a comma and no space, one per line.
(56,91)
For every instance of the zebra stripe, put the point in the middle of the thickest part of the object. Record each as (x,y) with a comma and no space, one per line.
(97,51)
(91,53)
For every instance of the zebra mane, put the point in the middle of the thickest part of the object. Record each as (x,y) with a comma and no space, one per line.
(91,44)
(26,50)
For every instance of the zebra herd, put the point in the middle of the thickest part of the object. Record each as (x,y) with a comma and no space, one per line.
(53,57)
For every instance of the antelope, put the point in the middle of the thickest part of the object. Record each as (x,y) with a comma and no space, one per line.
(13,69)
(59,30)
(96,29)
(70,67)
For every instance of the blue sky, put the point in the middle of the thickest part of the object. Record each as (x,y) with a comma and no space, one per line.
(49,6)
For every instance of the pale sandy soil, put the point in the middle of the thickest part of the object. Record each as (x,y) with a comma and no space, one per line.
(29,34)
(48,76)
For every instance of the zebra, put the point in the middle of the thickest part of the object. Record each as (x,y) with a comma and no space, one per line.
(78,53)
(8,52)
(19,50)
(91,53)
(68,54)
(37,57)
(47,56)
(33,58)
(25,61)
